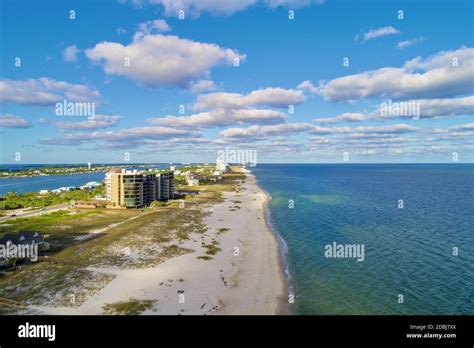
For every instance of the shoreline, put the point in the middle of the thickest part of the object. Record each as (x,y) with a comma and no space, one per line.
(284,307)
(250,281)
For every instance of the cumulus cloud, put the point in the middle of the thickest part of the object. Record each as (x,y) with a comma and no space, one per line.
(223,109)
(44,91)
(308,87)
(194,8)
(270,97)
(376,33)
(431,108)
(463,127)
(345,117)
(428,108)
(408,43)
(93,122)
(151,27)
(221,117)
(10,121)
(294,4)
(159,60)
(391,129)
(125,138)
(201,86)
(445,74)
(70,53)
(255,133)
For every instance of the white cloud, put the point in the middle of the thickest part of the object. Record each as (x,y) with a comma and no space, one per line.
(463,127)
(434,77)
(10,121)
(376,33)
(430,108)
(223,109)
(93,122)
(221,117)
(203,86)
(44,91)
(120,31)
(307,86)
(348,117)
(408,43)
(255,133)
(272,97)
(194,8)
(70,53)
(292,4)
(157,60)
(161,25)
(392,129)
(125,138)
(151,27)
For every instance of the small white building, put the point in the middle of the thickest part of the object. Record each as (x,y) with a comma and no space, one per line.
(62,189)
(91,185)
(192,182)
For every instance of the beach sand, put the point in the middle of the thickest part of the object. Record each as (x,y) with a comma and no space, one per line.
(245,277)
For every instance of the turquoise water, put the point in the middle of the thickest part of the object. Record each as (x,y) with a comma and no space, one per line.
(408,251)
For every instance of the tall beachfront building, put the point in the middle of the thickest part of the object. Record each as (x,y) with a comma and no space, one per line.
(221,165)
(136,189)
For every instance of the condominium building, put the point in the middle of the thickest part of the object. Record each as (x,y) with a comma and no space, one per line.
(135,189)
(221,165)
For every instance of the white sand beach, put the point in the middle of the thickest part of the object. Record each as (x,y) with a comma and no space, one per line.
(245,277)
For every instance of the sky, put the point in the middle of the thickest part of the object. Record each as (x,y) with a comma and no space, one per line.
(290,81)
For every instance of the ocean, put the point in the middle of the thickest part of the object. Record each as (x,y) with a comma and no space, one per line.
(414,223)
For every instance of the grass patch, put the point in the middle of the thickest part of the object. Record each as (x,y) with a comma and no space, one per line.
(130,307)
(205,258)
(212,248)
(222,230)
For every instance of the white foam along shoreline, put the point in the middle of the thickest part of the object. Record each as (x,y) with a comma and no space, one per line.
(245,277)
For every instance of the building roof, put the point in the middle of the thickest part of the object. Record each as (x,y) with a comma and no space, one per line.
(22,237)
(91,184)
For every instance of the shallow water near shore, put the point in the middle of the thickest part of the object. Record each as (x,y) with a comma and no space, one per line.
(408,251)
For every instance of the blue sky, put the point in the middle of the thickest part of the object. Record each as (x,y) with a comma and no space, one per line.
(425,60)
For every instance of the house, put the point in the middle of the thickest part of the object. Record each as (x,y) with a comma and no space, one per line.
(192,182)
(90,185)
(62,189)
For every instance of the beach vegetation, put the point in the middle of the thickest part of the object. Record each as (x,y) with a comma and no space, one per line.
(130,307)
